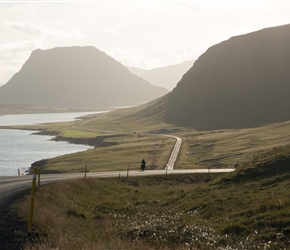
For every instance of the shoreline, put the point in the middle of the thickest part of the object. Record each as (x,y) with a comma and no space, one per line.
(10,109)
(93,142)
(55,136)
(97,141)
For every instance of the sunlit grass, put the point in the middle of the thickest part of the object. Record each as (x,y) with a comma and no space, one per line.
(230,148)
(245,209)
(78,134)
(128,151)
(111,213)
(123,129)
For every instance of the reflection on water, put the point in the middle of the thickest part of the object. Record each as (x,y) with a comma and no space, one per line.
(20,148)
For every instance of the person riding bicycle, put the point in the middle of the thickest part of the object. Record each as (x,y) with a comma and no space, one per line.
(143,164)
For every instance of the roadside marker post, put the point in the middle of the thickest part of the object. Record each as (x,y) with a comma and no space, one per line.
(128,171)
(38,175)
(32,200)
(86,171)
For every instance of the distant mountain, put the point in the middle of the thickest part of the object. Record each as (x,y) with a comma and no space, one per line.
(166,77)
(76,77)
(241,82)
(137,71)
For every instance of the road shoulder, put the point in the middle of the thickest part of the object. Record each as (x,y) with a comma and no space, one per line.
(13,233)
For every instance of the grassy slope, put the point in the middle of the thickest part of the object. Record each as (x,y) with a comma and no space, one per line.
(252,201)
(223,148)
(246,209)
(250,205)
(126,136)
(121,142)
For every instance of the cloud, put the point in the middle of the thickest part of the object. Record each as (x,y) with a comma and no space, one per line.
(5,75)
(40,31)
(18,47)
(190,6)
(13,56)
(109,31)
(128,58)
(237,32)
(189,52)
(25,27)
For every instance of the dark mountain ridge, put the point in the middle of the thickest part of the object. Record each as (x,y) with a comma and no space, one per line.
(241,82)
(76,77)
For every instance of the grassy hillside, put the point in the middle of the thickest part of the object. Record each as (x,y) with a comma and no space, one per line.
(246,209)
(253,201)
(124,137)
(242,82)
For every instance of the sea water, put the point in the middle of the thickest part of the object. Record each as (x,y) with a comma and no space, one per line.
(20,148)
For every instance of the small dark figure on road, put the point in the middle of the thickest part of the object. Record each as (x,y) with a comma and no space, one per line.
(143,164)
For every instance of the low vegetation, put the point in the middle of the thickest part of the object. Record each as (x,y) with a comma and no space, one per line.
(245,209)
(116,153)
(123,137)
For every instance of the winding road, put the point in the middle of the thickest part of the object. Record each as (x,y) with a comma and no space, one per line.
(175,152)
(11,185)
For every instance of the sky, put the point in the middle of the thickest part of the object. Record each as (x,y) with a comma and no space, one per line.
(139,33)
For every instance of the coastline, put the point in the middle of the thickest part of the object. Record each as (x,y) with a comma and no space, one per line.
(94,142)
(13,109)
(97,141)
(38,129)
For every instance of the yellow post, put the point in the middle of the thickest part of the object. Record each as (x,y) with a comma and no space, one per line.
(38,174)
(32,201)
(86,172)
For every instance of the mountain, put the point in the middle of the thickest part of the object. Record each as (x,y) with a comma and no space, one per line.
(166,77)
(137,71)
(239,83)
(76,77)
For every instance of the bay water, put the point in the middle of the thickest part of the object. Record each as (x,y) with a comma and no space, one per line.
(20,148)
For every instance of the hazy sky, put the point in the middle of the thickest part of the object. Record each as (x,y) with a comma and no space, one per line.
(145,34)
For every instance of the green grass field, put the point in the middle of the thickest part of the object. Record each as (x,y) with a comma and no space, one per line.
(246,209)
(127,139)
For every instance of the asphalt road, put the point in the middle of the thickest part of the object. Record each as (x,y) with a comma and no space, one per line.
(175,152)
(11,185)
